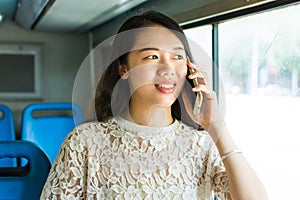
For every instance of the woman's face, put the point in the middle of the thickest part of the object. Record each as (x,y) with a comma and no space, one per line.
(156,67)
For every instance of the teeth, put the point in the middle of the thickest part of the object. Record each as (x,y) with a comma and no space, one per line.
(168,86)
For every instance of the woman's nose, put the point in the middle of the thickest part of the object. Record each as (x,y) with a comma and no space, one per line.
(165,71)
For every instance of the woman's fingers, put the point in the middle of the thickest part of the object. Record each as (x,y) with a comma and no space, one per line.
(201,83)
(195,72)
(204,89)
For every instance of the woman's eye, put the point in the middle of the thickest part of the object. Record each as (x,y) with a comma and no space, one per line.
(178,57)
(152,57)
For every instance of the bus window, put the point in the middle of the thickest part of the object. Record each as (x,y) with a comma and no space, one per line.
(259,63)
(259,68)
(202,36)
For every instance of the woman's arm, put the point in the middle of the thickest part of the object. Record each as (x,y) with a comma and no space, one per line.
(243,182)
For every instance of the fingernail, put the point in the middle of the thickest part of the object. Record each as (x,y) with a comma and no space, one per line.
(188,59)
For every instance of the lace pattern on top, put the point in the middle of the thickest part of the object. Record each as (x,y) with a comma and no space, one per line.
(118,159)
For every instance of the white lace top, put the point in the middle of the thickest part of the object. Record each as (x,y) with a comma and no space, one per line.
(118,159)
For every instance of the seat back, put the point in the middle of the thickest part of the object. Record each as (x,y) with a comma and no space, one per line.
(27,182)
(7,132)
(49,129)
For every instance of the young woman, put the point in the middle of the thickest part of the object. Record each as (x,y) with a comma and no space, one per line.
(143,145)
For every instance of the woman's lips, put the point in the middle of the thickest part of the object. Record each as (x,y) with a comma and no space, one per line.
(166,87)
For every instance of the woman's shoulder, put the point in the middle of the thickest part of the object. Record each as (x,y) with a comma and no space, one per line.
(92,128)
(109,123)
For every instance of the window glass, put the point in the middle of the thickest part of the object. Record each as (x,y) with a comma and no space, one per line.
(259,71)
(16,73)
(202,36)
(259,63)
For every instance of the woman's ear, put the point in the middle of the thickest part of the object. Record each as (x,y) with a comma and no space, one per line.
(123,72)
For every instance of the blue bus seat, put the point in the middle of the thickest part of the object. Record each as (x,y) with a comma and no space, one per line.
(49,131)
(6,123)
(23,182)
(7,132)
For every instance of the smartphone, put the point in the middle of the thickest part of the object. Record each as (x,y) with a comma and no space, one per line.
(199,96)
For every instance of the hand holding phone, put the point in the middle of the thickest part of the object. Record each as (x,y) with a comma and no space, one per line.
(199,96)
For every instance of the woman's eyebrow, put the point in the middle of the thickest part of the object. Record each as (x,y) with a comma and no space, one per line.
(178,48)
(148,49)
(157,49)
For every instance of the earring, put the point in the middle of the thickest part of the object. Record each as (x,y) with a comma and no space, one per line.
(124,74)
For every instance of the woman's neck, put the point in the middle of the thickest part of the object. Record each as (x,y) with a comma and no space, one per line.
(155,115)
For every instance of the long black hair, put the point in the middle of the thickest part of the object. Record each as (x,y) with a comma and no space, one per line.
(109,92)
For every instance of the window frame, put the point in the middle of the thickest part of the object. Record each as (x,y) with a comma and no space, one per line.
(215,20)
